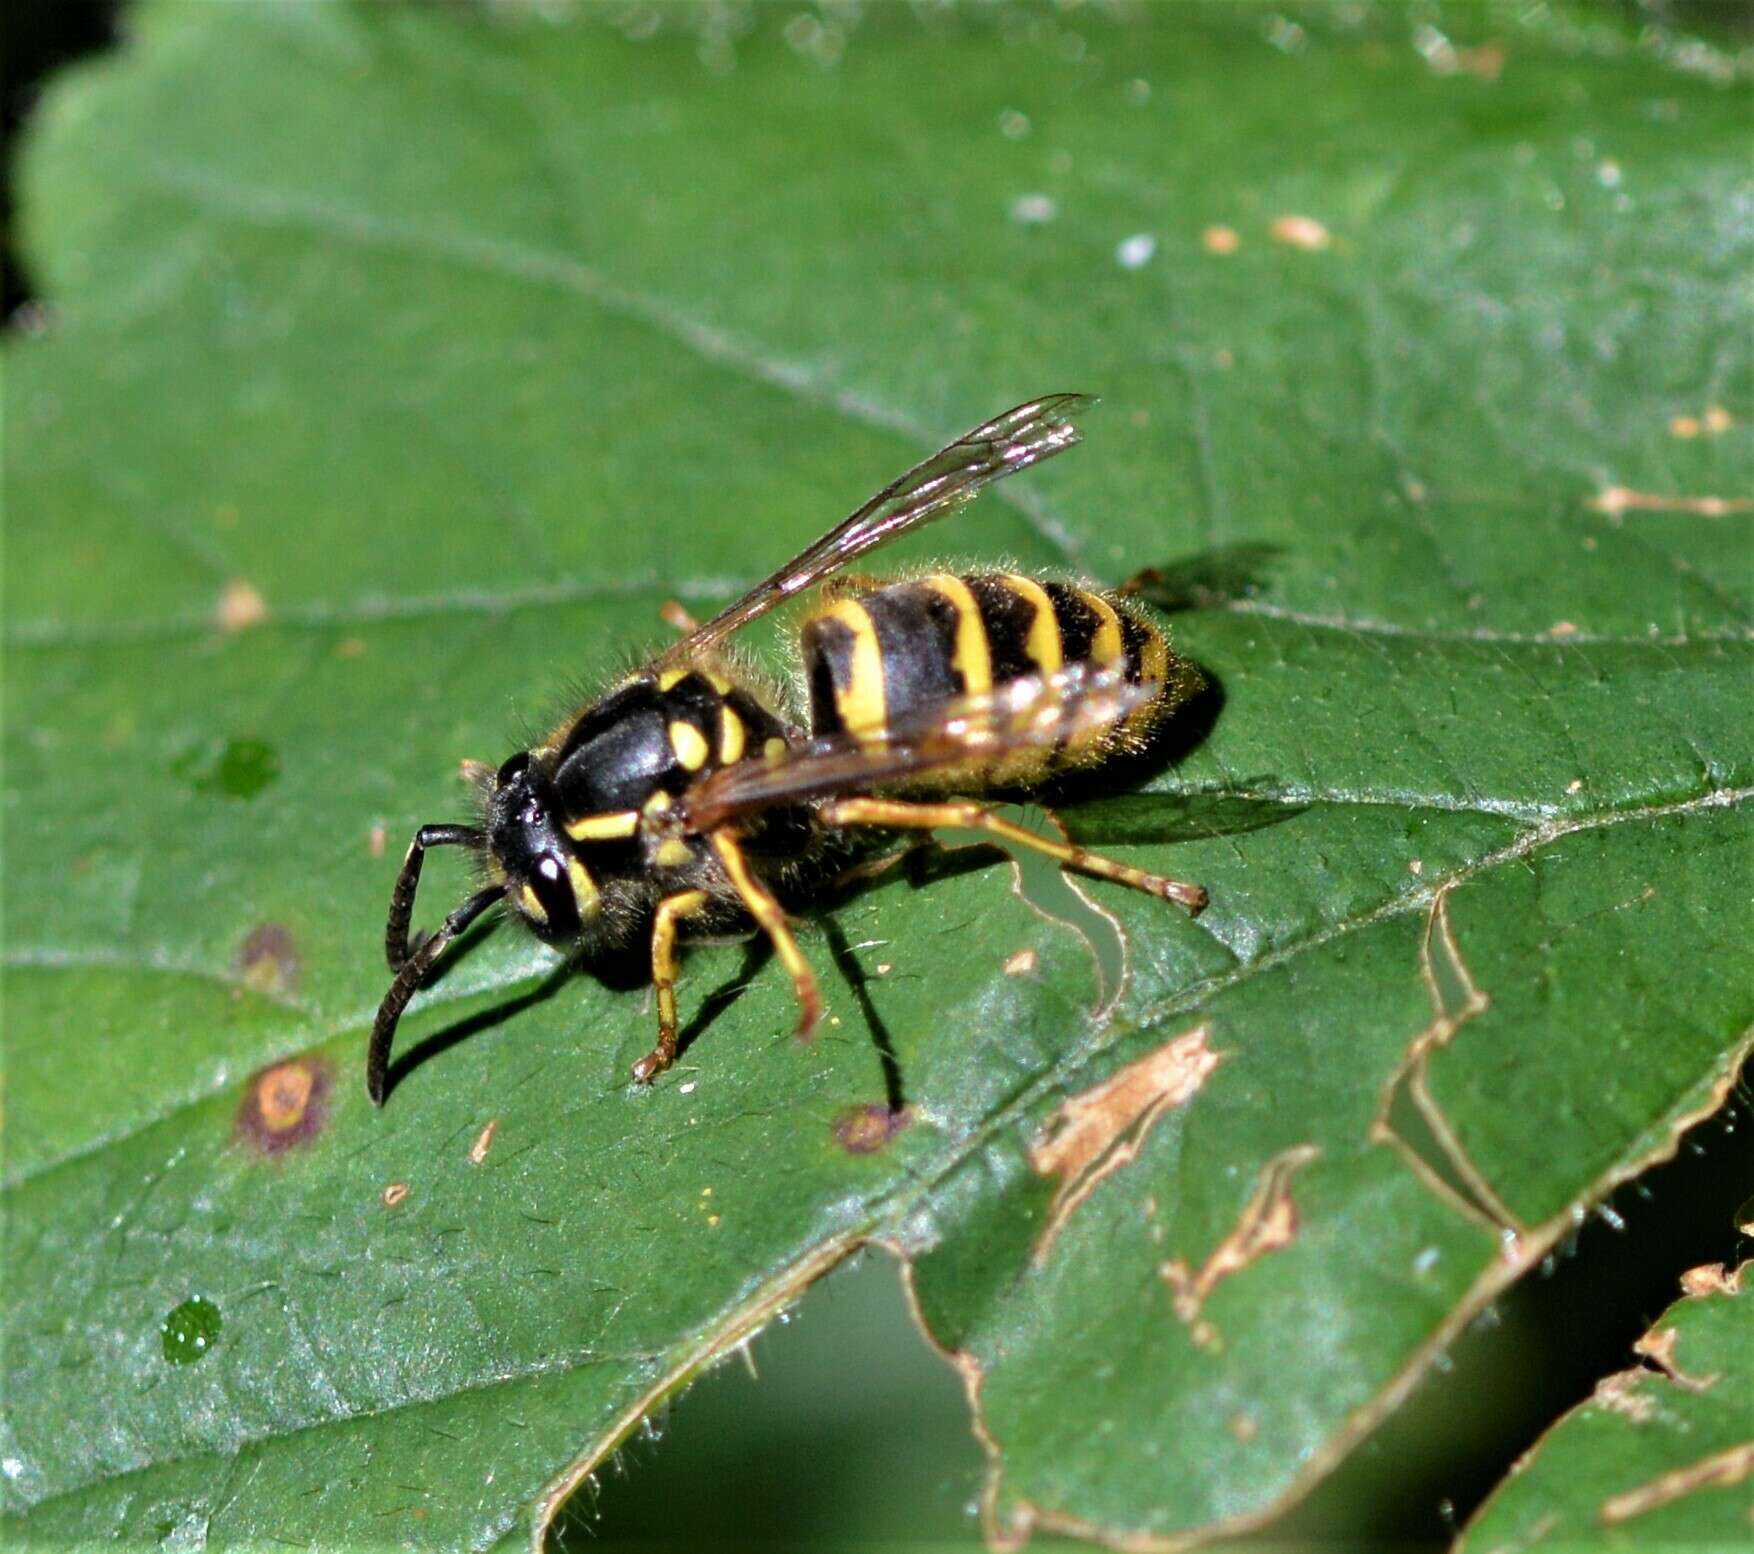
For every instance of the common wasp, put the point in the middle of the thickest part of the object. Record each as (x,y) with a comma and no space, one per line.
(688,803)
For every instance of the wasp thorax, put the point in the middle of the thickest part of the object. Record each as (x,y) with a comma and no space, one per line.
(545,883)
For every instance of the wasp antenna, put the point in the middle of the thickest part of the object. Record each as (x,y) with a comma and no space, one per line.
(409,976)
(396,945)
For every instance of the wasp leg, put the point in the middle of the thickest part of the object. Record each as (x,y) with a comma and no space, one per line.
(876,868)
(397,949)
(408,978)
(670,911)
(977,817)
(758,901)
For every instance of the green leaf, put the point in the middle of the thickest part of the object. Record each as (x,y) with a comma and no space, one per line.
(402,361)
(1660,1457)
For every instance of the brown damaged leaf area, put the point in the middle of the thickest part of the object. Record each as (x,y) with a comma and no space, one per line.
(1455,1000)
(284,1106)
(1268,1223)
(1093,1135)
(240,606)
(865,1130)
(269,962)
(1623,1393)
(1721,1470)
(483,1142)
(1011,1526)
(1658,1347)
(999,1534)
(1711,1279)
(1616,501)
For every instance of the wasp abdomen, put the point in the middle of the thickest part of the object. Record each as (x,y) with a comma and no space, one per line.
(870,657)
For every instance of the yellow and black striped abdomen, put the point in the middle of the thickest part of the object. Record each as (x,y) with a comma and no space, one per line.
(872,656)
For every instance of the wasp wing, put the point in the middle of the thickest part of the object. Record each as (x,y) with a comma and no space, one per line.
(1036,712)
(933,488)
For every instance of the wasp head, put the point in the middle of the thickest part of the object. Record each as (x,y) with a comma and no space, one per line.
(545,883)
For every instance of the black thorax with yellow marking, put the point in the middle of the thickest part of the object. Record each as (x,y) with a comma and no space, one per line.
(576,828)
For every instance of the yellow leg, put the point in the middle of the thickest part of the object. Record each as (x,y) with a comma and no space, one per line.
(969,816)
(759,902)
(671,910)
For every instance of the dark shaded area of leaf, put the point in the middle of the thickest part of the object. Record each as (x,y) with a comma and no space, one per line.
(1661,1454)
(1141,817)
(37,37)
(1538,1352)
(1213,578)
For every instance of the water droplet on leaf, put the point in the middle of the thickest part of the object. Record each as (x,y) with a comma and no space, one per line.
(191,1330)
(239,769)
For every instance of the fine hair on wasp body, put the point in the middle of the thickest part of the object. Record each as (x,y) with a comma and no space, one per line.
(689,803)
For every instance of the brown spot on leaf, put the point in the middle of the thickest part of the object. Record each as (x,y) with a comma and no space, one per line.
(1616,501)
(1658,1346)
(268,962)
(1220,240)
(1268,1223)
(349,647)
(863,1130)
(1718,1471)
(1244,1427)
(1303,232)
(1484,61)
(240,606)
(395,1193)
(1622,1393)
(377,842)
(285,1105)
(1020,964)
(1711,1279)
(1093,1135)
(1714,423)
(483,1142)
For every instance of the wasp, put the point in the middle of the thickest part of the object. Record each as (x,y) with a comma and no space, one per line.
(688,803)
